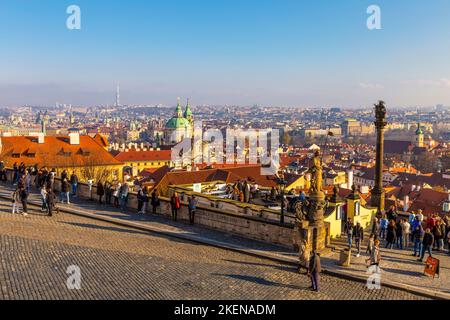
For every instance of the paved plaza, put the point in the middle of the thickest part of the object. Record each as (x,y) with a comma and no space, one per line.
(117,262)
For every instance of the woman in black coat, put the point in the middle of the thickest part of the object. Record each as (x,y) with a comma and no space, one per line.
(100,192)
(391,234)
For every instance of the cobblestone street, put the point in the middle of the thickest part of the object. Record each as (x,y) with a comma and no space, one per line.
(122,263)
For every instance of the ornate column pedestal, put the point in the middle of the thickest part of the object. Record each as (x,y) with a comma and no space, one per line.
(310,231)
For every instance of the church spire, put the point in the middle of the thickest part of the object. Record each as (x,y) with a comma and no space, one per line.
(178,111)
(188,112)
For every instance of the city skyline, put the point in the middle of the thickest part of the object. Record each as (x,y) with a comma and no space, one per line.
(292,53)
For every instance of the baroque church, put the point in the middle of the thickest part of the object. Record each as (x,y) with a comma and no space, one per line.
(180,126)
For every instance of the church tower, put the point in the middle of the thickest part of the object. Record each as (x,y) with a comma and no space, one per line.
(188,113)
(419,138)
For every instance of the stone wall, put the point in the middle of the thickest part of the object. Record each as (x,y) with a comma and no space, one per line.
(249,221)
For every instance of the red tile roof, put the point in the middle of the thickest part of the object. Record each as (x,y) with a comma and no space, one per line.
(228,175)
(56,151)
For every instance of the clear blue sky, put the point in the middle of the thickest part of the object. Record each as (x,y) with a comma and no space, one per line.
(283,52)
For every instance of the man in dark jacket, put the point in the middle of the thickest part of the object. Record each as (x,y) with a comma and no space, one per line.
(74,183)
(427,244)
(314,270)
(24,200)
(50,198)
(358,236)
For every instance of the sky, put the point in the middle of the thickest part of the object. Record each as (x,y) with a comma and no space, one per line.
(233,52)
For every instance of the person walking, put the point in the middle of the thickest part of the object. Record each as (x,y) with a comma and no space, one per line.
(155,201)
(358,236)
(314,270)
(74,183)
(348,229)
(175,205)
(427,244)
(192,206)
(24,200)
(391,234)
(100,192)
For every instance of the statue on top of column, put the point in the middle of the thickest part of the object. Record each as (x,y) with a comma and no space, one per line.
(380,112)
(316,173)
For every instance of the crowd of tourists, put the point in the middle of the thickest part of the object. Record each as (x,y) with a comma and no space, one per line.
(43,180)
(422,235)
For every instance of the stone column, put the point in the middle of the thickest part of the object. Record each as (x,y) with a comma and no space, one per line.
(378,194)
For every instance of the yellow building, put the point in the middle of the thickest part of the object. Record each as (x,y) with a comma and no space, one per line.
(138,160)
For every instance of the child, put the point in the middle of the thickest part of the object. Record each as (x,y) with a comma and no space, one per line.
(16,201)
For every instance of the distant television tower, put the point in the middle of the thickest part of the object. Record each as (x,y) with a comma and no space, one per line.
(118,96)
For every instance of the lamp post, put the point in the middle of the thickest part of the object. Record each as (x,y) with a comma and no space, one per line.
(282,184)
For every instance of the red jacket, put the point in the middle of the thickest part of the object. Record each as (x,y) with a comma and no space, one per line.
(175,202)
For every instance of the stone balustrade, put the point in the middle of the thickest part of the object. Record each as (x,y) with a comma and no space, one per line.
(255,222)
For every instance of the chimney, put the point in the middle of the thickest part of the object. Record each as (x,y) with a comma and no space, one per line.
(350,179)
(74,137)
(41,138)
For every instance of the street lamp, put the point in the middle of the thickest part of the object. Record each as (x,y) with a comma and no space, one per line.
(282,184)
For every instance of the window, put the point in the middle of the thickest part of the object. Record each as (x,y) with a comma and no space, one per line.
(339,213)
(357,208)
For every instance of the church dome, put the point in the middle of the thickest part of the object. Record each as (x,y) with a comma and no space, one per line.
(177,123)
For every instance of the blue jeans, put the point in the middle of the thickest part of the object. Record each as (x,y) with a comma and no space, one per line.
(350,240)
(427,248)
(124,200)
(400,242)
(44,203)
(417,246)
(383,233)
(64,195)
(74,189)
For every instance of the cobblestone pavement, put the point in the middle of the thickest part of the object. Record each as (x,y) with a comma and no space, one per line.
(122,263)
